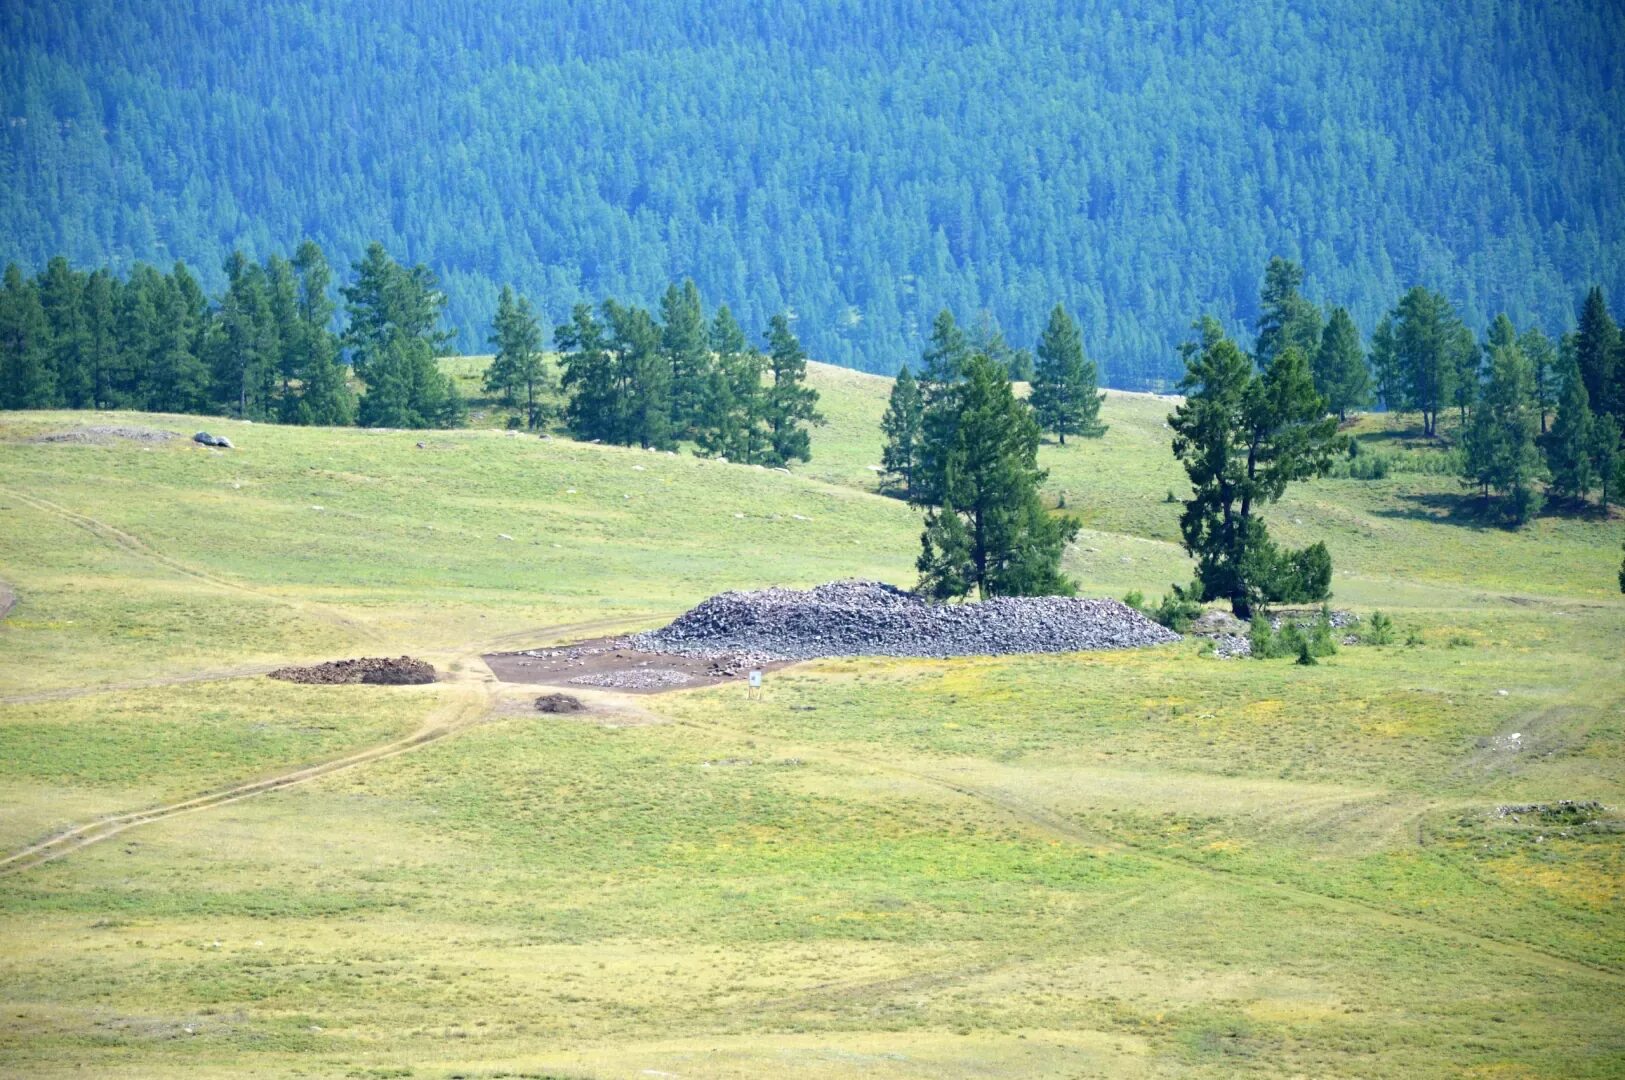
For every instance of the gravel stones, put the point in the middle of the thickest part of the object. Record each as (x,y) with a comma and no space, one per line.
(379,670)
(868,618)
(101,434)
(636,679)
(559,703)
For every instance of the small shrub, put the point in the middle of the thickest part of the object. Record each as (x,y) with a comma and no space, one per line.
(1178,608)
(1322,642)
(1460,641)
(1261,640)
(1306,655)
(1414,638)
(1290,639)
(1136,600)
(1171,496)
(1379,630)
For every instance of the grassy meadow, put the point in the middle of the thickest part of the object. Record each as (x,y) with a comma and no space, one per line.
(1148,864)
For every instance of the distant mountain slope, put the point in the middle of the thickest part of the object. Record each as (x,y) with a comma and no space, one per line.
(862,163)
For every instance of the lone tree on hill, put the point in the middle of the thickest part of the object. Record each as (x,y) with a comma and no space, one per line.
(901,426)
(991,533)
(517,366)
(791,404)
(1064,398)
(1242,437)
(1500,443)
(1341,376)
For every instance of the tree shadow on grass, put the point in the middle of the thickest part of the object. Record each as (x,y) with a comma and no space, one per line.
(1467,510)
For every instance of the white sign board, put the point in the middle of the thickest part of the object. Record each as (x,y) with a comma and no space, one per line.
(756,680)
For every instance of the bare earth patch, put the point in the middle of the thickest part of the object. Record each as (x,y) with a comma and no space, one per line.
(379,670)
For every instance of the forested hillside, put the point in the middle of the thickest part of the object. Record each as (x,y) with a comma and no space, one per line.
(861,164)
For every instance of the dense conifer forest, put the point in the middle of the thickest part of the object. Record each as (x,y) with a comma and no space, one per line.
(1135,166)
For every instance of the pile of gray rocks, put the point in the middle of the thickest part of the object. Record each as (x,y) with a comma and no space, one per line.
(868,618)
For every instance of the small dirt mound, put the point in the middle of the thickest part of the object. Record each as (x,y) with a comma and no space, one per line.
(559,703)
(379,670)
(868,618)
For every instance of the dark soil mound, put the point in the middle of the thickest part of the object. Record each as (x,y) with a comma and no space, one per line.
(380,670)
(559,703)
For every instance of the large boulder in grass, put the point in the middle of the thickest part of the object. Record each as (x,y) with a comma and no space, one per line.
(205,439)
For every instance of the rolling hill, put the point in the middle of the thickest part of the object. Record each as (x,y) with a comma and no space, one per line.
(1144,863)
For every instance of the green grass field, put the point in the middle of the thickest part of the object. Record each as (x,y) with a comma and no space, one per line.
(1146,864)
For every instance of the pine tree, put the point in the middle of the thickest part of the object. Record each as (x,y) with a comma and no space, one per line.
(593,413)
(991,533)
(325,397)
(135,325)
(683,342)
(945,356)
(394,336)
(1242,437)
(1064,396)
(1285,318)
(245,349)
(26,375)
(1568,445)
(1597,350)
(731,423)
(1538,349)
(101,352)
(1607,462)
(178,377)
(1340,374)
(1500,454)
(901,425)
(941,363)
(791,404)
(62,291)
(1431,350)
(1386,371)
(642,377)
(989,341)
(517,370)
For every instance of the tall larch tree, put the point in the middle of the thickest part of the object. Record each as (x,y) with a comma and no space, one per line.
(900,424)
(1597,351)
(792,405)
(517,370)
(1065,398)
(1340,373)
(642,377)
(594,408)
(1569,443)
(683,343)
(1243,436)
(394,336)
(991,533)
(1286,318)
(1542,355)
(1500,455)
(27,379)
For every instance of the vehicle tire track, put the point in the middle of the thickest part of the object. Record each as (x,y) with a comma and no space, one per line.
(141,549)
(458,715)
(81,836)
(1060,827)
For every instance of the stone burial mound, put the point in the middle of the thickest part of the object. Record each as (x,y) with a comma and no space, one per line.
(868,618)
(377,670)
